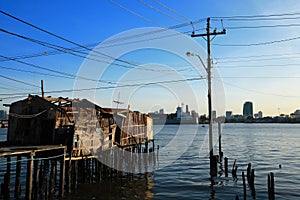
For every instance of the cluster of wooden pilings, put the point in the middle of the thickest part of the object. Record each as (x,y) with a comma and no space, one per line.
(36,166)
(44,172)
(215,159)
(250,180)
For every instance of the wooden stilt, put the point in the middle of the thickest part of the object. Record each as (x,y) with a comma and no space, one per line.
(35,178)
(18,178)
(69,175)
(6,186)
(62,175)
(76,174)
(52,179)
(29,178)
(45,178)
(7,178)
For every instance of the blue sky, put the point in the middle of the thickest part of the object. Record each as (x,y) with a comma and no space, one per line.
(266,74)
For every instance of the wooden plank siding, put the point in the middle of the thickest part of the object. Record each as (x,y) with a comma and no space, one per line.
(76,124)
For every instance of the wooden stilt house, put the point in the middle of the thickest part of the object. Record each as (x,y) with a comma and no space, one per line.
(77,124)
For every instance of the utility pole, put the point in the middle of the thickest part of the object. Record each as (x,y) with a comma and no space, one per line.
(209,96)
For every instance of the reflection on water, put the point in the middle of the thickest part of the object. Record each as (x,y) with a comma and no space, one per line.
(128,187)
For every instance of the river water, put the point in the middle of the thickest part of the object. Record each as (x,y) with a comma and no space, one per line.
(182,165)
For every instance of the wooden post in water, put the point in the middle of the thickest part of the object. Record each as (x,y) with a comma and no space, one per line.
(7,178)
(252,179)
(220,140)
(35,178)
(226,166)
(29,177)
(249,173)
(45,178)
(62,175)
(52,179)
(76,174)
(146,147)
(8,169)
(69,186)
(252,184)
(18,178)
(244,185)
(272,186)
(271,190)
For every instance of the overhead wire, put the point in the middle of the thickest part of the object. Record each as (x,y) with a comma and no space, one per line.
(262,26)
(63,49)
(35,72)
(160,11)
(113,87)
(257,56)
(260,92)
(134,13)
(65,39)
(256,60)
(256,16)
(52,70)
(257,44)
(172,10)
(258,66)
(262,19)
(18,81)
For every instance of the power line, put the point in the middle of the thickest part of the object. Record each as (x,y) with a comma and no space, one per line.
(258,66)
(109,41)
(256,56)
(257,16)
(260,92)
(263,26)
(258,44)
(260,77)
(256,60)
(51,70)
(160,11)
(64,39)
(134,13)
(172,10)
(34,72)
(60,48)
(113,87)
(18,81)
(65,50)
(263,19)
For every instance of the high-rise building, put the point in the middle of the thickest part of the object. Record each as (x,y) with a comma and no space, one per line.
(3,114)
(161,111)
(248,109)
(214,114)
(228,114)
(260,114)
(179,112)
(187,110)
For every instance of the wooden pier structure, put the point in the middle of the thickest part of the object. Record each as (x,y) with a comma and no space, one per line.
(57,139)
